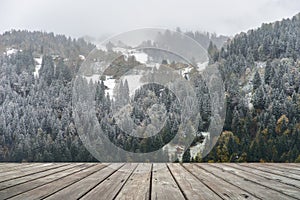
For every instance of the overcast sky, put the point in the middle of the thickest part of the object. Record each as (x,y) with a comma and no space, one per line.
(98,17)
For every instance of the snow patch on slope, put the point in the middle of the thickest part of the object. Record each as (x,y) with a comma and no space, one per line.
(249,100)
(194,150)
(138,54)
(260,64)
(109,82)
(11,51)
(201,66)
(199,147)
(101,47)
(81,57)
(94,78)
(134,82)
(38,65)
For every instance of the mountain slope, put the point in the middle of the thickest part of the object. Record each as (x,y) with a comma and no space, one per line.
(261,71)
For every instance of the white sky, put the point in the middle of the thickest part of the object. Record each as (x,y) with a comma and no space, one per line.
(99,17)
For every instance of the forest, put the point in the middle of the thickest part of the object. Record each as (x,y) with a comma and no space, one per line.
(260,70)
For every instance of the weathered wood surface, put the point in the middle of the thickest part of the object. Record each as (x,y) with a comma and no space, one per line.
(149,181)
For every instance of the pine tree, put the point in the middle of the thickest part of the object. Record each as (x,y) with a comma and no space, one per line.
(186,156)
(268,73)
(259,98)
(256,80)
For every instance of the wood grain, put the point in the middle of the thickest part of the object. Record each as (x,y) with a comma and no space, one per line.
(149,181)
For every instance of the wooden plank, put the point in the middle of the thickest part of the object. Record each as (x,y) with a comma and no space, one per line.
(281,176)
(9,164)
(15,166)
(138,181)
(24,187)
(163,184)
(294,164)
(50,188)
(24,172)
(219,186)
(22,169)
(191,187)
(256,190)
(109,188)
(138,185)
(284,167)
(76,190)
(23,179)
(267,174)
(268,183)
